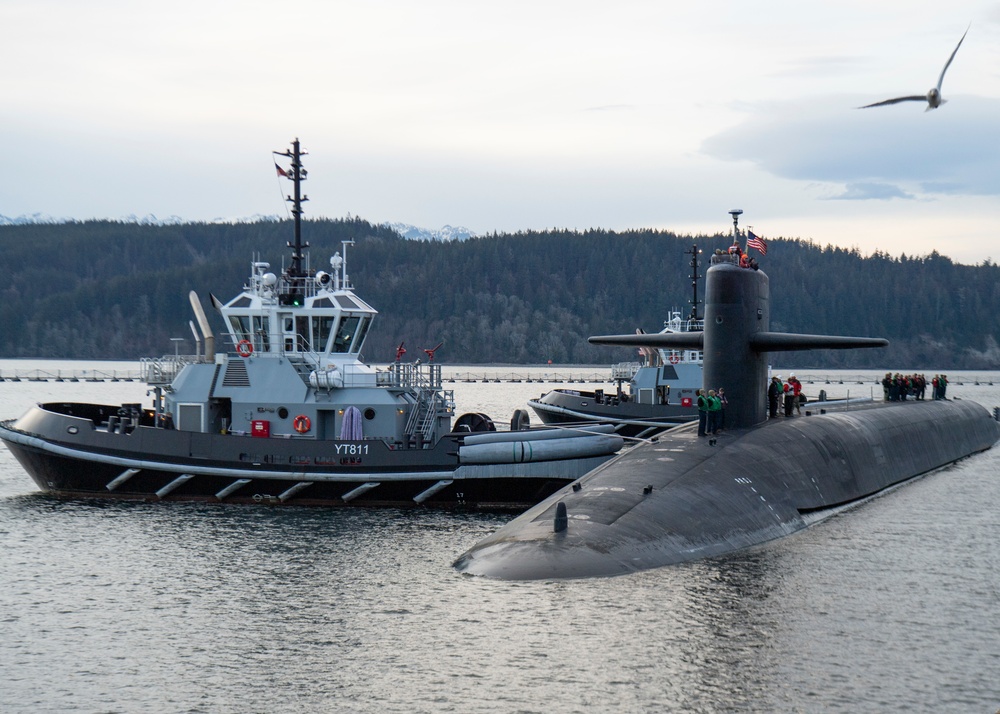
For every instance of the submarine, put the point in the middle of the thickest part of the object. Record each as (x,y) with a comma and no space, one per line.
(682,497)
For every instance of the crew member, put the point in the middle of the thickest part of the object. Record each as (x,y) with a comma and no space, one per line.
(796,392)
(773,392)
(702,412)
(714,407)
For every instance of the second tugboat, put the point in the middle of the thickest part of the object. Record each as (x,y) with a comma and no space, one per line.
(662,390)
(290,414)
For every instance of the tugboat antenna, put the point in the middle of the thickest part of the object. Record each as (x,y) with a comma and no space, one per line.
(297,174)
(694,280)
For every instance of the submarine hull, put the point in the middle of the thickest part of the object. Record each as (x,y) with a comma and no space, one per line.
(684,498)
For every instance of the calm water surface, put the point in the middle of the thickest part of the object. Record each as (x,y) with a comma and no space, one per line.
(111,607)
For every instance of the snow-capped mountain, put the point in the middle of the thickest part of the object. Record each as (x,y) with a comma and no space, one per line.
(444,233)
(148,220)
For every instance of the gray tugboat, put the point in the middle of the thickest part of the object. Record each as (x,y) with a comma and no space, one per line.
(289,413)
(658,392)
(649,396)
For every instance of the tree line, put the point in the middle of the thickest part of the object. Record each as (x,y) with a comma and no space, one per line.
(113,290)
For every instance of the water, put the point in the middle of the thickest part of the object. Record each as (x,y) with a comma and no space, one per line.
(131,607)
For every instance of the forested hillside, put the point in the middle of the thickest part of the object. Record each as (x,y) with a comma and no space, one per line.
(119,290)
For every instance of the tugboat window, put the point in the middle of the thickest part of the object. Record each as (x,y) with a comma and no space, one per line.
(302,330)
(362,333)
(241,327)
(322,326)
(260,328)
(345,335)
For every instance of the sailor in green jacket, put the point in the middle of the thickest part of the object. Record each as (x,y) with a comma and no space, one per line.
(714,412)
(702,412)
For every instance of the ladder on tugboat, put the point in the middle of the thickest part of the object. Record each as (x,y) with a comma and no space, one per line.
(424,414)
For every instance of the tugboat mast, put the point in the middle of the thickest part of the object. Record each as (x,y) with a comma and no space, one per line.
(296,174)
(694,280)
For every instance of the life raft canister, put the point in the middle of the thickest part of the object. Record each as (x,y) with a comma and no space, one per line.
(244,348)
(301,424)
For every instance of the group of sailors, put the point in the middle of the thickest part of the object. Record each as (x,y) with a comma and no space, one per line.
(737,255)
(897,387)
(711,411)
(788,394)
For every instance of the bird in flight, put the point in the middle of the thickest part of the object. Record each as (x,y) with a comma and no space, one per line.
(933,96)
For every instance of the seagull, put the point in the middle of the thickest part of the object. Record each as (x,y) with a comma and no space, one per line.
(933,96)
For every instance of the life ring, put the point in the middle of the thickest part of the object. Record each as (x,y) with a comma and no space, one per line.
(244,348)
(674,359)
(301,423)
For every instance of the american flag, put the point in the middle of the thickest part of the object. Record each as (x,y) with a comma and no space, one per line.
(757,242)
(281,171)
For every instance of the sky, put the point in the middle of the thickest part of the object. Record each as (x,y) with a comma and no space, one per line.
(514,115)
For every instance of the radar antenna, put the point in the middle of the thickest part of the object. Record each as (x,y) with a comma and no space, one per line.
(736,213)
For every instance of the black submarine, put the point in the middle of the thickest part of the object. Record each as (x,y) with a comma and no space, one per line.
(683,497)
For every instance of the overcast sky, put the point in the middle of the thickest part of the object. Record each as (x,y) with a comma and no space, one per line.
(514,115)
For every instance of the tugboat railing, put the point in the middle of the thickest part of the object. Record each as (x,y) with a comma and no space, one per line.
(163,370)
(410,375)
(624,371)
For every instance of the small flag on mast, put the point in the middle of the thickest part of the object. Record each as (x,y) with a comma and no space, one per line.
(757,242)
(281,171)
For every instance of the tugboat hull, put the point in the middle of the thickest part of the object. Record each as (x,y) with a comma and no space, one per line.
(70,455)
(563,407)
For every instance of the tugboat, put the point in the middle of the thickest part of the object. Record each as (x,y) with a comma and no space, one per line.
(289,414)
(649,396)
(661,390)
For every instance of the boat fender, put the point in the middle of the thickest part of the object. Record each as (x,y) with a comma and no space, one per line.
(244,348)
(302,424)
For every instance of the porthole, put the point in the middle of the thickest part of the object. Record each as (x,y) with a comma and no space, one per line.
(369,413)
(282,412)
(718,319)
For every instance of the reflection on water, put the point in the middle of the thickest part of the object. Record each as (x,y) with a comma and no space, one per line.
(111,606)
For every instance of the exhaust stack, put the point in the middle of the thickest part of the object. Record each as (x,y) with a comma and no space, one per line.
(206,330)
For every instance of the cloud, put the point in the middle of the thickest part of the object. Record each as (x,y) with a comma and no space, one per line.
(863,190)
(884,152)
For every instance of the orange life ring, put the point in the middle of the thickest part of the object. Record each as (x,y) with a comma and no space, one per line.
(301,423)
(244,348)
(674,359)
